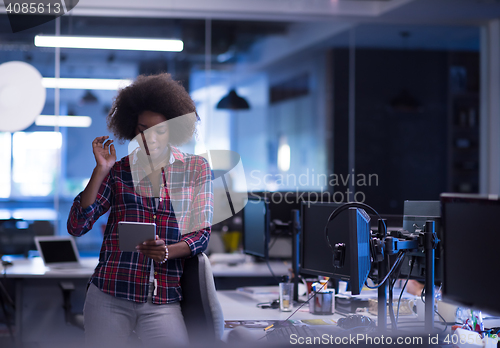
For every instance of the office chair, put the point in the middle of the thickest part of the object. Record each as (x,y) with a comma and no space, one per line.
(200,306)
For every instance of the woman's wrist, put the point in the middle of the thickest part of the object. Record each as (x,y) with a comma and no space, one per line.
(166,255)
(102,170)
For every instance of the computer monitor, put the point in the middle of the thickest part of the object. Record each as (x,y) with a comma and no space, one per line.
(470,250)
(359,233)
(281,204)
(351,227)
(256,227)
(416,213)
(315,255)
(16,237)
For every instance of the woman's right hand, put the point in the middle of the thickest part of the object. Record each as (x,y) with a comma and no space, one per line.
(104,152)
(105,157)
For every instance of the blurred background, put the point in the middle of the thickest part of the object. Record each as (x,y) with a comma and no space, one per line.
(392,99)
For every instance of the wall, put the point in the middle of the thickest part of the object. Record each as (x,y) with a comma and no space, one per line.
(406,150)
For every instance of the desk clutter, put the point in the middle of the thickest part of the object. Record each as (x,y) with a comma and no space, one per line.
(316,304)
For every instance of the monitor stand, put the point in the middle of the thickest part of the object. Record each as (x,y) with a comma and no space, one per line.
(430,243)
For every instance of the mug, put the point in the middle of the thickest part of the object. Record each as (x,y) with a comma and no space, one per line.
(322,303)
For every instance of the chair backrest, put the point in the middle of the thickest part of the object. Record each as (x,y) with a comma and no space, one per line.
(200,306)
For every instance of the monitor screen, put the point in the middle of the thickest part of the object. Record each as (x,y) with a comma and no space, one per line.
(470,250)
(256,227)
(281,208)
(16,237)
(281,203)
(316,257)
(57,251)
(416,213)
(359,231)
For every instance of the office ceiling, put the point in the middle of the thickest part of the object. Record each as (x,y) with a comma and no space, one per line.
(237,25)
(296,10)
(227,36)
(456,12)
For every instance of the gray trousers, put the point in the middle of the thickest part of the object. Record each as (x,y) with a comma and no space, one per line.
(109,322)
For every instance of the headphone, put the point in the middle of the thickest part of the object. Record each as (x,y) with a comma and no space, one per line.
(339,249)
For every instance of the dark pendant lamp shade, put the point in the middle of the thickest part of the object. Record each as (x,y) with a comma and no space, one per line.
(233,101)
(89,98)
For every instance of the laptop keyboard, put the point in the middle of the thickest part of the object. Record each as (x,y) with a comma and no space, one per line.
(284,333)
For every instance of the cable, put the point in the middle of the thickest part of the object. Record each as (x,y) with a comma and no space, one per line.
(302,305)
(273,241)
(391,308)
(434,307)
(270,269)
(412,263)
(399,269)
(267,255)
(444,321)
(310,297)
(394,323)
(387,276)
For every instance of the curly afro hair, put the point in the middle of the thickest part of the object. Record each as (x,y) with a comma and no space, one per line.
(156,93)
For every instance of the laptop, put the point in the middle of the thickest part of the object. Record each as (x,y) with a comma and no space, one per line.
(58,252)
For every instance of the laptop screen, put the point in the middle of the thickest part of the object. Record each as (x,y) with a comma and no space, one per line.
(57,251)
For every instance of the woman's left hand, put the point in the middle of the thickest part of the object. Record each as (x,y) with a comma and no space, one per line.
(153,248)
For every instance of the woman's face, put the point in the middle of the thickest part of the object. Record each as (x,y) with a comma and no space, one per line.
(154,128)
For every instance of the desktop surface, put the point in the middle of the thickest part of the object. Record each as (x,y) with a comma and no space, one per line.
(242,315)
(34,268)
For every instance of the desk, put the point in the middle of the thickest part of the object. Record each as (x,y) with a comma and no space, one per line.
(237,305)
(39,315)
(34,268)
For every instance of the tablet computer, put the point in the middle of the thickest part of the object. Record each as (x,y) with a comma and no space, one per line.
(131,234)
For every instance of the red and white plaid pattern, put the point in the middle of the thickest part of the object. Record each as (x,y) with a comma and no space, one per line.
(184,214)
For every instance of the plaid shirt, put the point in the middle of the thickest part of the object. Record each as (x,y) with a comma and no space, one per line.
(186,205)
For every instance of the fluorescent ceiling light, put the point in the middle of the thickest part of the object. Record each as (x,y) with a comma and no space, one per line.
(67,83)
(283,155)
(63,121)
(110,43)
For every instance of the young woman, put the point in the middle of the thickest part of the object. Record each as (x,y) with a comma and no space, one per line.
(139,291)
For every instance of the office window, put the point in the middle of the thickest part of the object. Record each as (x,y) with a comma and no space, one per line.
(5,167)
(35,162)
